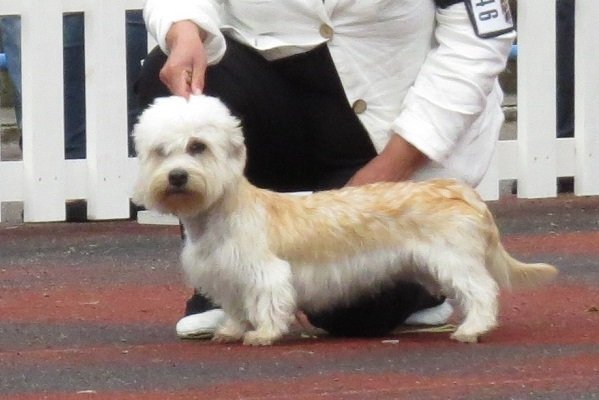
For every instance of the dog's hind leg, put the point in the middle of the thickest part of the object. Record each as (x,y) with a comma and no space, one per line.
(465,278)
(270,303)
(480,312)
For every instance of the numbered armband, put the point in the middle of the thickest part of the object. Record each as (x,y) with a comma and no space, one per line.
(490,18)
(447,3)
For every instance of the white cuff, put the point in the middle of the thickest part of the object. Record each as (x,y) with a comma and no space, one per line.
(160,18)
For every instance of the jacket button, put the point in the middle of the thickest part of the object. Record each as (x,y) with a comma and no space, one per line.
(326,31)
(359,106)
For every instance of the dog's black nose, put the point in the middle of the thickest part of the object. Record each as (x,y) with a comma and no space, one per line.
(177,177)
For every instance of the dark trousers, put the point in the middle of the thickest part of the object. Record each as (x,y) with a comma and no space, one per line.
(301,134)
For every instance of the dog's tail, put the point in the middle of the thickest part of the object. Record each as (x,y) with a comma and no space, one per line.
(506,270)
(511,273)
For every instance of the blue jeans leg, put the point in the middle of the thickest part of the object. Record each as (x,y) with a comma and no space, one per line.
(565,68)
(74,85)
(10,28)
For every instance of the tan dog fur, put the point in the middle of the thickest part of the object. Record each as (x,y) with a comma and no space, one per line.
(262,255)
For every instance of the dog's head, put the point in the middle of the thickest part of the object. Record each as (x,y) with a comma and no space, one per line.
(190,152)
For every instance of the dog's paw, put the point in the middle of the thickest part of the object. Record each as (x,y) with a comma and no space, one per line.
(222,337)
(464,337)
(255,338)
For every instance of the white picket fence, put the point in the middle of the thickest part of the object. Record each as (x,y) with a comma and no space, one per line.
(43,181)
(536,158)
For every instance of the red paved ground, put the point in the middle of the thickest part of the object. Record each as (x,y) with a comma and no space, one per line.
(87,311)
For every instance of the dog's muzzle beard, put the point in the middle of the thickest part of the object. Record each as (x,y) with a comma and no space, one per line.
(178,192)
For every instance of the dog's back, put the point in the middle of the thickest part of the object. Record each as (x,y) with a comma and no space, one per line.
(344,243)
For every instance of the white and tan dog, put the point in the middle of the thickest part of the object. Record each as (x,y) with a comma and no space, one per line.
(261,255)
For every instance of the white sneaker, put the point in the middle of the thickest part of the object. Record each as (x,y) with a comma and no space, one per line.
(437,315)
(200,326)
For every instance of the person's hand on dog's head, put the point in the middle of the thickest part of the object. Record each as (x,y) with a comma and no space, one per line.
(184,70)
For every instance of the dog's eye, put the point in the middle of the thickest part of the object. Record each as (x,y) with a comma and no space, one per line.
(159,151)
(196,147)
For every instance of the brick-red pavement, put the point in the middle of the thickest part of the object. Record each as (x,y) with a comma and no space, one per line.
(87,311)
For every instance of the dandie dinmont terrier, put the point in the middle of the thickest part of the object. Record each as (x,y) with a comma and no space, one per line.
(263,255)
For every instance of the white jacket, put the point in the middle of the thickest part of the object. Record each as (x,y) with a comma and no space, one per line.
(407,67)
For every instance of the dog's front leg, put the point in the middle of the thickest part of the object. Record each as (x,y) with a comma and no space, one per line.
(230,331)
(270,303)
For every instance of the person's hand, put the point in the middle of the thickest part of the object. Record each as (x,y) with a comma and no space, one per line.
(184,70)
(397,162)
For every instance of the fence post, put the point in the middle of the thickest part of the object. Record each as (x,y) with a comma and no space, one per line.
(43,118)
(536,99)
(587,98)
(106,105)
(488,188)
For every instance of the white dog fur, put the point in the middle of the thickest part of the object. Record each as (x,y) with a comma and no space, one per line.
(262,255)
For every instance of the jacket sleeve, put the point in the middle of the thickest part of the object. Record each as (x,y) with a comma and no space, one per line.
(452,87)
(160,15)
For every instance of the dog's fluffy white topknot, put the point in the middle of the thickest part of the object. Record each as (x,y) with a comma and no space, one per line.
(169,119)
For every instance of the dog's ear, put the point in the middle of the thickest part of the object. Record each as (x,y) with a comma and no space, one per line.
(237,141)
(237,150)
